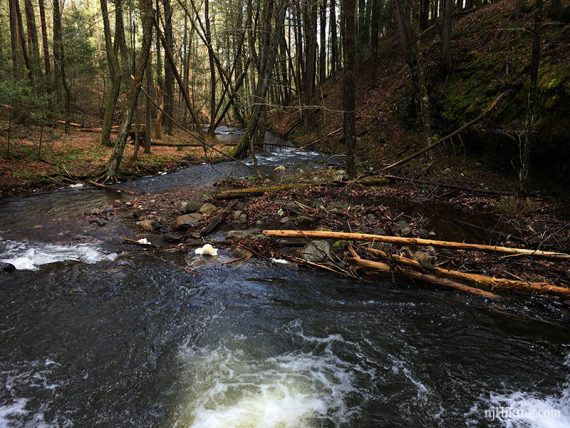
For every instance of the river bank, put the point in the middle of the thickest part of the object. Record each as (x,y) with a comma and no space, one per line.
(45,159)
(324,200)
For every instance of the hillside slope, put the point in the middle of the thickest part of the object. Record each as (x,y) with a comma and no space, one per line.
(491,54)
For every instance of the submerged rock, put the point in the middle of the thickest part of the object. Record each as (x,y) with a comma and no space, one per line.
(242,234)
(240,217)
(7,267)
(207,208)
(188,207)
(240,253)
(169,238)
(317,251)
(187,221)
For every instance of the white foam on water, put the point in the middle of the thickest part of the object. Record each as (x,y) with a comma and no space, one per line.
(25,255)
(232,385)
(29,379)
(400,367)
(520,409)
(9,412)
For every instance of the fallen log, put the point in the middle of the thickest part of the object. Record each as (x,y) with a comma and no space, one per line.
(317,234)
(112,189)
(218,219)
(432,279)
(72,124)
(451,186)
(260,191)
(478,279)
(257,191)
(330,134)
(432,146)
(155,143)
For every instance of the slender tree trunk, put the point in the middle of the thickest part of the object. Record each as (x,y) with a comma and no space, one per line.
(120,44)
(323,42)
(32,37)
(212,64)
(14,39)
(23,42)
(408,34)
(148,106)
(45,45)
(159,84)
(114,162)
(168,74)
(446,23)
(170,59)
(259,110)
(526,148)
(59,59)
(349,95)
(374,32)
(334,37)
(115,76)
(310,61)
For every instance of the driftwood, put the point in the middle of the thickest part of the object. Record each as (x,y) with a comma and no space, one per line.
(481,280)
(112,189)
(257,191)
(432,146)
(155,143)
(432,279)
(218,219)
(315,234)
(330,134)
(260,191)
(72,124)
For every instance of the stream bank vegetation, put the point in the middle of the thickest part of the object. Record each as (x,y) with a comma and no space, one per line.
(459,106)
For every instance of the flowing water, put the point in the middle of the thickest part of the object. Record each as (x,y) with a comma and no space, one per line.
(92,335)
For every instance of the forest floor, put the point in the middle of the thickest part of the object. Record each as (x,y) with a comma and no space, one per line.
(62,159)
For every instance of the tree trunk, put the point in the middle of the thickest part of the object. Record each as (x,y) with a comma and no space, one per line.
(259,109)
(310,61)
(446,23)
(148,106)
(212,64)
(114,162)
(59,60)
(374,31)
(14,39)
(45,45)
(115,76)
(168,74)
(526,148)
(323,42)
(334,37)
(32,37)
(120,45)
(348,98)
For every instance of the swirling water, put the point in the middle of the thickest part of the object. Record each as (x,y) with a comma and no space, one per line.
(92,335)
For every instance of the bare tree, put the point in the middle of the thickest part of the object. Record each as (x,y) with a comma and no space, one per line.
(115,76)
(114,162)
(526,148)
(349,95)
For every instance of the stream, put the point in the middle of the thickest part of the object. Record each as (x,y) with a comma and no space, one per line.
(93,335)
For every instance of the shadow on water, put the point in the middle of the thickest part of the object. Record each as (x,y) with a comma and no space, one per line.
(135,340)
